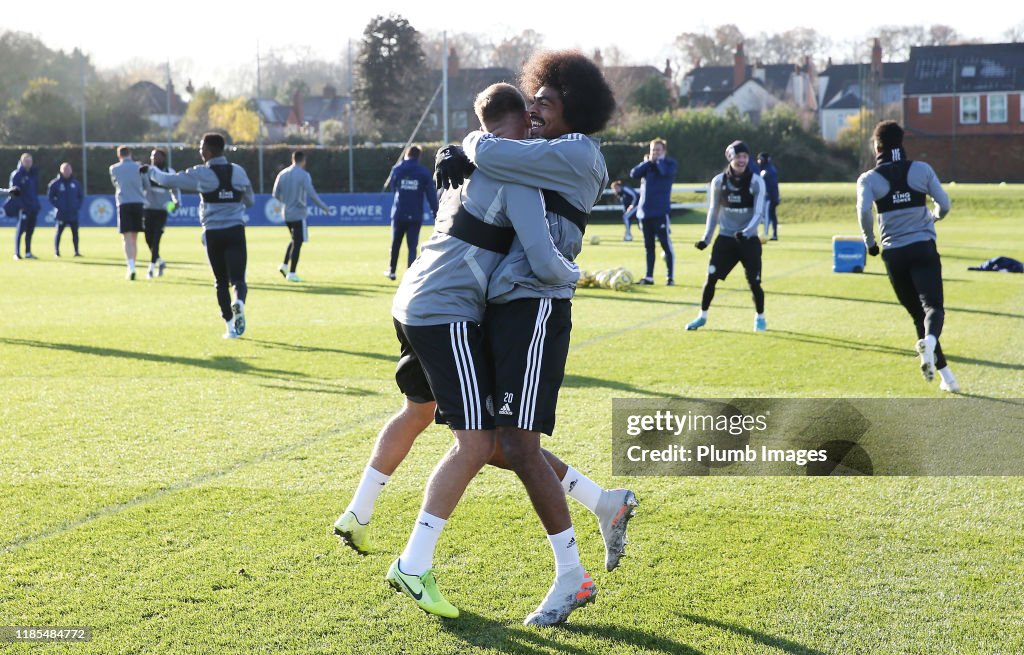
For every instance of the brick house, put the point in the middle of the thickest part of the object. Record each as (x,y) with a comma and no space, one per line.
(963,103)
(847,89)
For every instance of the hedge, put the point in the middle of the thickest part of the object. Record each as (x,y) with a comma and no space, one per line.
(698,161)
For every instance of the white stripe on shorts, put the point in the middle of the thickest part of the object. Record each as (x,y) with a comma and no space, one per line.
(467,375)
(534,359)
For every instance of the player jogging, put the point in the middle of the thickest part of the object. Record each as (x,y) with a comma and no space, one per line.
(898,188)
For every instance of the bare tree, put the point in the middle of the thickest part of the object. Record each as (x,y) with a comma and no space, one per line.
(512,52)
(789,47)
(1015,34)
(473,50)
(715,49)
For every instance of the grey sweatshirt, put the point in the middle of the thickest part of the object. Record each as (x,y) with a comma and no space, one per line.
(729,220)
(127,181)
(903,226)
(157,197)
(200,179)
(448,281)
(291,188)
(571,165)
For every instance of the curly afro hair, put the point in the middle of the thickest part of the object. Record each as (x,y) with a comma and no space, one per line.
(587,100)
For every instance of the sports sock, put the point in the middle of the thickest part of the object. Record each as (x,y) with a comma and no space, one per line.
(582,489)
(931,340)
(947,375)
(131,265)
(418,556)
(370,486)
(567,555)
(761,315)
(703,313)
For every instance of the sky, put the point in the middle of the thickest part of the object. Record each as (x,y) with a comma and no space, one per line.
(210,42)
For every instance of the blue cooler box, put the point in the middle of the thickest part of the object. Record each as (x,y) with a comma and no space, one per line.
(849,255)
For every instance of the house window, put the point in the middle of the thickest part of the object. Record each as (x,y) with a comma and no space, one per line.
(460,119)
(970,113)
(997,108)
(924,105)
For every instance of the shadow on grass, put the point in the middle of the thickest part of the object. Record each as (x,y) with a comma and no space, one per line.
(291,347)
(835,342)
(782,644)
(216,363)
(584,382)
(480,632)
(120,263)
(966,310)
(297,287)
(323,388)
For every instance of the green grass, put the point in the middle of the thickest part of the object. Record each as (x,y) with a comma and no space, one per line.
(174,491)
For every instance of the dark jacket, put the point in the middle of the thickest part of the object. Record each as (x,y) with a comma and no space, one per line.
(411,183)
(66,197)
(28,182)
(770,175)
(656,186)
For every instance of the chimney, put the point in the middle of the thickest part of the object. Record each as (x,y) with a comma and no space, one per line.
(598,59)
(330,92)
(739,68)
(668,69)
(453,62)
(808,64)
(757,71)
(299,107)
(876,59)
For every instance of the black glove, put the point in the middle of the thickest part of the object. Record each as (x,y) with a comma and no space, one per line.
(144,169)
(873,250)
(451,167)
(700,245)
(739,236)
(14,192)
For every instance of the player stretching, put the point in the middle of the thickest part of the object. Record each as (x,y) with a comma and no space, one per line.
(898,188)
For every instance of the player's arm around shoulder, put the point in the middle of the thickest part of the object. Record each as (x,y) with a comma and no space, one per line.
(532,162)
(524,207)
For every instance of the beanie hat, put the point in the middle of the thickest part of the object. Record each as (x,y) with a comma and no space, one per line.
(735,148)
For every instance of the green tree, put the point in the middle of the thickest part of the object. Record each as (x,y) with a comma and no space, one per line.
(197,117)
(41,116)
(652,96)
(235,117)
(394,81)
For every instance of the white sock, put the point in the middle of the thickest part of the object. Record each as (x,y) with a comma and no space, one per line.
(582,489)
(947,375)
(131,265)
(932,341)
(761,315)
(418,556)
(370,486)
(567,555)
(703,313)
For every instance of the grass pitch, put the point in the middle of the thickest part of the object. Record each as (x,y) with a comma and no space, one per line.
(174,491)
